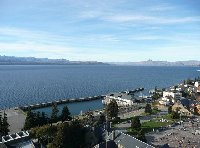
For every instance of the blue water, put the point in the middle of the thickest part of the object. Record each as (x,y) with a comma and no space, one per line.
(24,85)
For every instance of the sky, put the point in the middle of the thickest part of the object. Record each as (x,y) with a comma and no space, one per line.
(101,30)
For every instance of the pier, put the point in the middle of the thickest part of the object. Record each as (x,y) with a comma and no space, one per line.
(65,101)
(58,102)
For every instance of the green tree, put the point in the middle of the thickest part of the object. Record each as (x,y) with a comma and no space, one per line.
(175,114)
(5,124)
(148,108)
(44,134)
(135,123)
(112,109)
(170,109)
(65,115)
(54,117)
(102,119)
(44,119)
(141,136)
(29,121)
(1,124)
(155,96)
(69,135)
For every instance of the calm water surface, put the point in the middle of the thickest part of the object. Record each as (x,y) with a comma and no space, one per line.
(23,85)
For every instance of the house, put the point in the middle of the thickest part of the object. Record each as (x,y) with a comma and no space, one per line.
(181,108)
(187,103)
(174,95)
(198,89)
(197,84)
(122,98)
(18,140)
(198,96)
(196,106)
(121,140)
(170,97)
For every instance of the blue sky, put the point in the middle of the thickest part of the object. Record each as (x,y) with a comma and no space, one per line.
(101,30)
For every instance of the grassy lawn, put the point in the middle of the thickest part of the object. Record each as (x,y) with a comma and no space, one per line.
(156,123)
(153,124)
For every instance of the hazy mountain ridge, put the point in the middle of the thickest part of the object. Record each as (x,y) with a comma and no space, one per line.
(12,60)
(159,63)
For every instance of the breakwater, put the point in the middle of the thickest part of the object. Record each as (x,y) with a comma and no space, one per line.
(58,102)
(65,101)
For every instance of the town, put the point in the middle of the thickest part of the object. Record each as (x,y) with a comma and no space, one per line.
(167,117)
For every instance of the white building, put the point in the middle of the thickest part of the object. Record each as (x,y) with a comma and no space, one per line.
(122,99)
(164,101)
(170,97)
(197,84)
(17,140)
(174,95)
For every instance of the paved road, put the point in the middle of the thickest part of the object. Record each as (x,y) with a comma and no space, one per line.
(16,119)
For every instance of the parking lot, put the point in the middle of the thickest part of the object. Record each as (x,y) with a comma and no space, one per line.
(16,119)
(182,134)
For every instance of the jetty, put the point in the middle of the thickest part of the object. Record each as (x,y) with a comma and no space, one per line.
(60,101)
(65,101)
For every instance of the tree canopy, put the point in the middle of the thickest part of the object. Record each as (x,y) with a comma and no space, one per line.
(35,119)
(148,109)
(135,123)
(54,113)
(65,115)
(4,125)
(112,109)
(72,135)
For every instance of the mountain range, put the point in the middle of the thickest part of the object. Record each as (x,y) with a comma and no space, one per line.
(159,63)
(12,60)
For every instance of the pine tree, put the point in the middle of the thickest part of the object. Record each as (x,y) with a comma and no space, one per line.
(30,121)
(44,119)
(170,109)
(5,124)
(1,124)
(54,117)
(65,115)
(135,123)
(148,109)
(112,109)
(141,136)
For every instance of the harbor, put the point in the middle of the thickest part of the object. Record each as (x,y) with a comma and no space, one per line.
(59,102)
(67,101)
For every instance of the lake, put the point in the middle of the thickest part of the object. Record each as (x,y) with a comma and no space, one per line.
(31,84)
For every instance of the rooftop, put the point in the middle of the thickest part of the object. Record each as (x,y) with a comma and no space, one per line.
(128,141)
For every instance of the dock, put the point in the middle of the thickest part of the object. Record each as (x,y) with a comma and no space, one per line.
(58,102)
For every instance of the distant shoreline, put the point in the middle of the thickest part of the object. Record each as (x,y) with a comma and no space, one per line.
(53,64)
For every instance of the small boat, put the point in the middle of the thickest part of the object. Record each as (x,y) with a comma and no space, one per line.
(198,70)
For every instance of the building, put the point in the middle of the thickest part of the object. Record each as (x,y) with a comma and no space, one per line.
(198,96)
(198,89)
(120,140)
(197,84)
(183,111)
(166,101)
(17,140)
(122,98)
(174,95)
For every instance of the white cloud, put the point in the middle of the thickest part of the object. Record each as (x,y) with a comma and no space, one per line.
(150,19)
(163,7)
(26,46)
(26,34)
